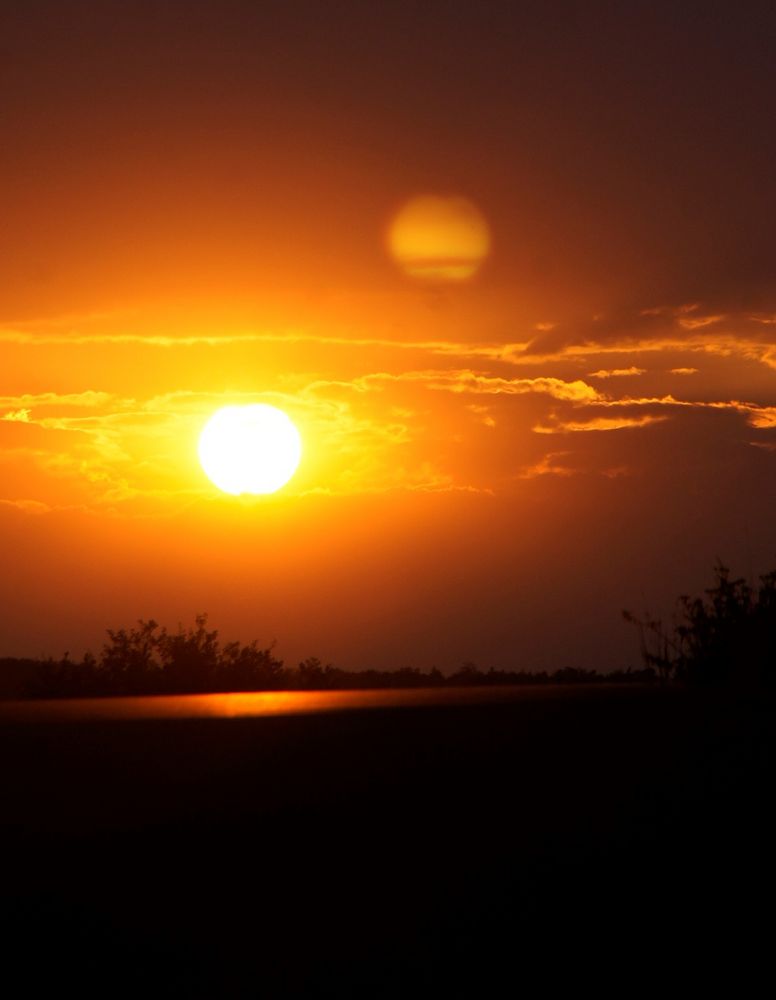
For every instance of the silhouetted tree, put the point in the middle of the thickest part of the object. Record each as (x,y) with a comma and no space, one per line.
(147,659)
(659,650)
(249,668)
(728,635)
(190,657)
(312,674)
(129,662)
(468,673)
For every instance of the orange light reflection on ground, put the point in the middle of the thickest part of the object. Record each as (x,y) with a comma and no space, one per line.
(252,704)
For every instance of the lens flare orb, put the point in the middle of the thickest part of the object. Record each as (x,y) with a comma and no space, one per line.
(252,449)
(439,238)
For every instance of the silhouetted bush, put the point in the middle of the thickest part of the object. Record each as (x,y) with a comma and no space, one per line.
(129,663)
(147,659)
(726,636)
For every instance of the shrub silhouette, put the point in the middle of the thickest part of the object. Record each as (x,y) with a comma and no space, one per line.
(148,659)
(129,662)
(249,668)
(726,636)
(190,658)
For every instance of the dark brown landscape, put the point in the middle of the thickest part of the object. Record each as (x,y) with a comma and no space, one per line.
(616,834)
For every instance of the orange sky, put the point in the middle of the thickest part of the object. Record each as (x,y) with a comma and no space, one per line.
(194,214)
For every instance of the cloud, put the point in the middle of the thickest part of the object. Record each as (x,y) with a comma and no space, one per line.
(373,422)
(617,372)
(725,345)
(763,417)
(444,348)
(89,398)
(676,329)
(483,414)
(480,383)
(548,465)
(685,315)
(678,311)
(667,400)
(683,329)
(696,322)
(598,424)
(27,506)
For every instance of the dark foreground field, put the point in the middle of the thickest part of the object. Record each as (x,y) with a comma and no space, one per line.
(603,839)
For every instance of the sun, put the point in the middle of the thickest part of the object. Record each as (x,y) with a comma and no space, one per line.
(249,449)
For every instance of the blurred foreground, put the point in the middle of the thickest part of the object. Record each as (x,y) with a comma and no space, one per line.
(600,836)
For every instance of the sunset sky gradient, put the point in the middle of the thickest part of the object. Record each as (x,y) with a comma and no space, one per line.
(195,200)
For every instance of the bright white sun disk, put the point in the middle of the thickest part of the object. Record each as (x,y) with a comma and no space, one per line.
(249,449)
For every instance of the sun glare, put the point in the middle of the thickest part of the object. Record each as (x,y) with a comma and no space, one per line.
(249,449)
